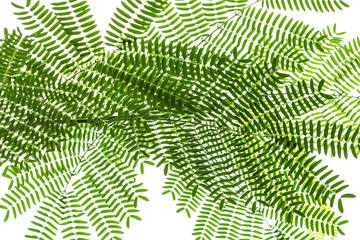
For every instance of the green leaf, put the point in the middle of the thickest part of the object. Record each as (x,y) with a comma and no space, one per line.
(194,190)
(321,84)
(340,206)
(348,195)
(327,96)
(17,6)
(6,216)
(147,128)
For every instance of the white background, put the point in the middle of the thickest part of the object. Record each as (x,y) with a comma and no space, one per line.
(160,220)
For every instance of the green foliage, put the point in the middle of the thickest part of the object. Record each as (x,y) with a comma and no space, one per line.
(315,5)
(232,100)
